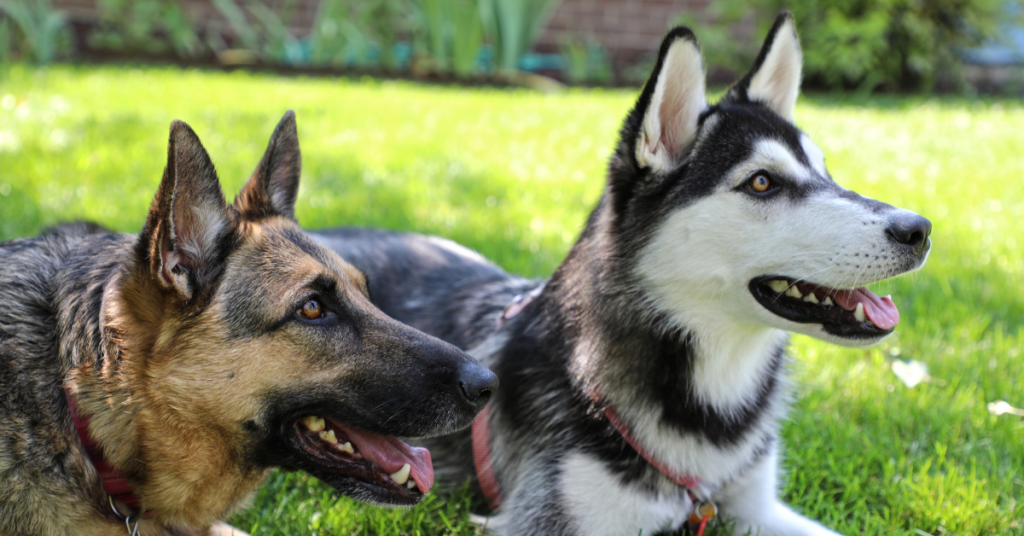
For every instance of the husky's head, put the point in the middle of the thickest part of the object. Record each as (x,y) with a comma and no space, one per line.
(732,215)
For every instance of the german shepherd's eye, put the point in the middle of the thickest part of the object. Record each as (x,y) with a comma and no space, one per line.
(311,310)
(760,184)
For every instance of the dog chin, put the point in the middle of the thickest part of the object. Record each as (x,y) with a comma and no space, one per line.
(818,331)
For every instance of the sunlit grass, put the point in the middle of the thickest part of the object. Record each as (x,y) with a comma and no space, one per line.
(514,174)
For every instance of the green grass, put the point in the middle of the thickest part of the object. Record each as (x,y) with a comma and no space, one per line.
(513,174)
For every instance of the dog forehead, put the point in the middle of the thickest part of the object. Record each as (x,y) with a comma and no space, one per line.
(273,268)
(745,138)
(815,155)
(280,258)
(776,156)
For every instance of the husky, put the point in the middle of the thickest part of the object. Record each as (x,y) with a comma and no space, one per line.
(151,381)
(643,384)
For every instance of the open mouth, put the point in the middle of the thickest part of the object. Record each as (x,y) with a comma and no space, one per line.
(384,466)
(856,313)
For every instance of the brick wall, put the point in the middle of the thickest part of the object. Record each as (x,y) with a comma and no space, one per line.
(628,29)
(200,10)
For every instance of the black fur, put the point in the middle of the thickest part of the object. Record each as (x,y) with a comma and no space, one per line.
(185,347)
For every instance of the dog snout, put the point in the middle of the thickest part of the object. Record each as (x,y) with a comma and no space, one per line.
(477,384)
(910,230)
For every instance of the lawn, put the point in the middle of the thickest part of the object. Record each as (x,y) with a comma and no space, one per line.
(514,174)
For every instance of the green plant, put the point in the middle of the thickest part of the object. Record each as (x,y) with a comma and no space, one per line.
(511,27)
(382,21)
(360,34)
(5,40)
(906,45)
(453,33)
(331,33)
(151,26)
(262,31)
(43,31)
(277,41)
(586,61)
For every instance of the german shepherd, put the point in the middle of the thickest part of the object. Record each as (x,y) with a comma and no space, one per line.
(219,343)
(645,381)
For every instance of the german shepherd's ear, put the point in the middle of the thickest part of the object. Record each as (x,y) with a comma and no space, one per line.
(187,218)
(774,79)
(274,186)
(671,104)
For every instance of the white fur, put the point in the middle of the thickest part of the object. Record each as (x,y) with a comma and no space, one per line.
(777,82)
(198,239)
(602,508)
(670,122)
(752,503)
(699,263)
(194,239)
(693,455)
(814,155)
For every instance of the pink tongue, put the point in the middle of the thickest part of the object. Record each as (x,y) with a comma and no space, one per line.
(881,311)
(391,454)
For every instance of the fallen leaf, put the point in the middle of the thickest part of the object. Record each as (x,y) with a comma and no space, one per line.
(911,373)
(1002,407)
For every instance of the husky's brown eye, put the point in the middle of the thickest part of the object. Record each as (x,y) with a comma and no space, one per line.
(311,310)
(759,184)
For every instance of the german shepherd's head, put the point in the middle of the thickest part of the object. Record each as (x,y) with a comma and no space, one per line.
(251,346)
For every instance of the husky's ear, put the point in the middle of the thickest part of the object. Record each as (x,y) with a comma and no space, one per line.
(775,78)
(274,185)
(671,103)
(187,219)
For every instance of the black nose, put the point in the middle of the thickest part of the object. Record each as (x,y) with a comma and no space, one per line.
(911,230)
(477,384)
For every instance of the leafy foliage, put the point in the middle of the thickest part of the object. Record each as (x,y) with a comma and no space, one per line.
(586,61)
(452,32)
(42,30)
(905,45)
(148,26)
(512,25)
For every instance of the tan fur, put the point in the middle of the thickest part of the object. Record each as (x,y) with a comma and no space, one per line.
(191,387)
(185,349)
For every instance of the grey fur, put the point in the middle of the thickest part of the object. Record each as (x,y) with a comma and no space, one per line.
(597,336)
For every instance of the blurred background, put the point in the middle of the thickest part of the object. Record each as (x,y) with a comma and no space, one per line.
(491,122)
(864,45)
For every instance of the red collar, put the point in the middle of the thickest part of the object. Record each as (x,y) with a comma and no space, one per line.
(489,481)
(482,458)
(482,429)
(481,436)
(687,481)
(113,482)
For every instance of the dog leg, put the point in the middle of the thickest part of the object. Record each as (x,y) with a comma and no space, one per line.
(752,502)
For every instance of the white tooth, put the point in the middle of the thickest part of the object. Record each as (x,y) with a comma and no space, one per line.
(794,292)
(412,484)
(778,285)
(858,313)
(346,447)
(315,424)
(402,476)
(828,301)
(811,298)
(328,436)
